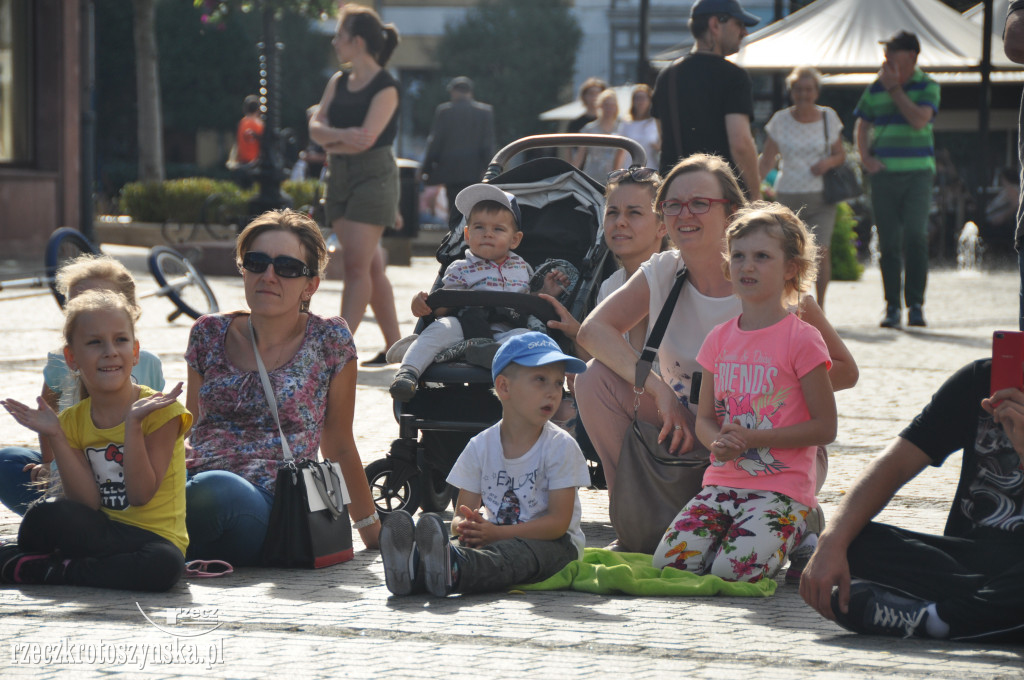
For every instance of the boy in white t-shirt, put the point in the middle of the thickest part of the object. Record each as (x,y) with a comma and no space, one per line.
(518,516)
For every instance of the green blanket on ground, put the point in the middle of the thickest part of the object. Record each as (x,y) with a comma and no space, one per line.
(605,572)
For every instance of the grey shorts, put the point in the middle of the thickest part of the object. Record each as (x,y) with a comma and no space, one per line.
(819,216)
(362,187)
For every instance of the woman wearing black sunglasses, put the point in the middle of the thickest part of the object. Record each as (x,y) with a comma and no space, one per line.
(234,446)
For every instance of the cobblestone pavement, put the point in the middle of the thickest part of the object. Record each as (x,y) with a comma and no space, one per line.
(340,622)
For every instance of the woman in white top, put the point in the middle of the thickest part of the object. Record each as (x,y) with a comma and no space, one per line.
(642,127)
(697,200)
(598,161)
(807,137)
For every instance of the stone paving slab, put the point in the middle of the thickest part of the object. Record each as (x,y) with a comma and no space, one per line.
(340,622)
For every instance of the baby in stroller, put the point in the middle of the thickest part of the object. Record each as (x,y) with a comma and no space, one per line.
(493,229)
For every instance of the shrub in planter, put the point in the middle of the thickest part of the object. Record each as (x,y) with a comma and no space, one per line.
(180,200)
(845,266)
(304,192)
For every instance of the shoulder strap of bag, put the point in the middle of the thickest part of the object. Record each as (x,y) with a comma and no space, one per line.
(643,366)
(269,391)
(824,125)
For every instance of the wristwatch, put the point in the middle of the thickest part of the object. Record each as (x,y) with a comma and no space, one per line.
(366,521)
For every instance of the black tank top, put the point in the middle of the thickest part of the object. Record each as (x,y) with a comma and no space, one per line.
(348,109)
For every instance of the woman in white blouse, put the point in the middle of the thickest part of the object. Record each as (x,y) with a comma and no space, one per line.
(807,137)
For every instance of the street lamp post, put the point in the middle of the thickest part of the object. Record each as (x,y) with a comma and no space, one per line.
(271,171)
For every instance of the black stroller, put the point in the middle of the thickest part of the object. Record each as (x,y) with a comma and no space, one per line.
(562,211)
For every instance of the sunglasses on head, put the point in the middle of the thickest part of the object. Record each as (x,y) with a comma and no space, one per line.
(284,266)
(635,173)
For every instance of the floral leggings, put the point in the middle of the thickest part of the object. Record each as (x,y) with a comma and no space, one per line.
(736,534)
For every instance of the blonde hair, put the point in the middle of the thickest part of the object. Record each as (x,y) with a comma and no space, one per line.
(778,221)
(605,96)
(89,266)
(94,301)
(804,72)
(294,222)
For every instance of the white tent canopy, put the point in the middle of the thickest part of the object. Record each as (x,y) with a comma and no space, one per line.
(843,35)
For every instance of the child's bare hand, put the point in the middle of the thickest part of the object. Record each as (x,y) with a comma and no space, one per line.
(143,407)
(555,283)
(420,306)
(731,442)
(474,531)
(41,419)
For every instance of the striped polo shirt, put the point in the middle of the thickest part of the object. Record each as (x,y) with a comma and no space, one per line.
(897,143)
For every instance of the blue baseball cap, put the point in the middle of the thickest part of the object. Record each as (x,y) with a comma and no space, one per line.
(730,7)
(533,349)
(474,193)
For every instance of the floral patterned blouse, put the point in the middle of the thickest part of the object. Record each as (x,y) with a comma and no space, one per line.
(234,429)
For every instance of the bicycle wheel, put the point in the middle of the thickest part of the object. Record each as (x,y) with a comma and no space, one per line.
(181,282)
(64,244)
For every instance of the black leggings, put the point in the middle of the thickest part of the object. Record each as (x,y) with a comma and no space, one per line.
(102,553)
(977,584)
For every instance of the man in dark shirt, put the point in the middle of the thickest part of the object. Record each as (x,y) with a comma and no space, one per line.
(461,141)
(967,583)
(704,103)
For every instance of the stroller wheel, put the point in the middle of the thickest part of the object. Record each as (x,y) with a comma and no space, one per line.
(380,475)
(437,494)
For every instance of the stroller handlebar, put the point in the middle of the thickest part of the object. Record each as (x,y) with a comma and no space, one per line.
(505,154)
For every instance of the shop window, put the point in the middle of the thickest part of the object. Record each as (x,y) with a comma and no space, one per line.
(15,95)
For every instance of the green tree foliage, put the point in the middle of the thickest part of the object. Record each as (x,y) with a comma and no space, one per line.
(207,67)
(520,55)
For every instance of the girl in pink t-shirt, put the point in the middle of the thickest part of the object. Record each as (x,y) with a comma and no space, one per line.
(767,408)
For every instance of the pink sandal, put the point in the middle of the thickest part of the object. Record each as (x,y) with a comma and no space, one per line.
(207,568)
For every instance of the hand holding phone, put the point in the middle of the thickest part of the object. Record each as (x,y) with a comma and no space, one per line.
(1007,361)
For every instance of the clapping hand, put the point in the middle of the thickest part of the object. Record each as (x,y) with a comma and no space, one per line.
(41,419)
(143,407)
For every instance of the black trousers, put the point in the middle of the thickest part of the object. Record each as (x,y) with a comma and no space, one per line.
(102,553)
(977,584)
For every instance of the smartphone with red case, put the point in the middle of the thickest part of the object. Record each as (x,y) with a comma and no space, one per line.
(1007,360)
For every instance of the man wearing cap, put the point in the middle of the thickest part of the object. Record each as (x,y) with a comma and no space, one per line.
(704,103)
(897,149)
(461,140)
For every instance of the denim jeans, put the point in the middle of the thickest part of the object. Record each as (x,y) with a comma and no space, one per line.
(900,202)
(16,488)
(226,517)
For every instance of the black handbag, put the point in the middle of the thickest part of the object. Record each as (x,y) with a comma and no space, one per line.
(309,524)
(651,484)
(841,182)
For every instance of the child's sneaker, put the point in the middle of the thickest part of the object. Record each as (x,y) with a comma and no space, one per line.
(403,387)
(398,551)
(22,567)
(877,610)
(435,551)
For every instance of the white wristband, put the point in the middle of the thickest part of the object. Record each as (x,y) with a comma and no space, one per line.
(366,521)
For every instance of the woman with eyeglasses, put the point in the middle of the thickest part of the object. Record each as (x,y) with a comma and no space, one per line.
(696,201)
(234,447)
(356,123)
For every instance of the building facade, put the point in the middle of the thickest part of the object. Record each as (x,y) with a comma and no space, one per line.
(40,105)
